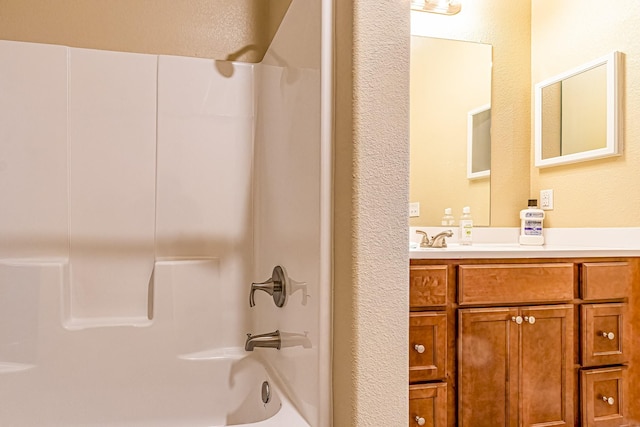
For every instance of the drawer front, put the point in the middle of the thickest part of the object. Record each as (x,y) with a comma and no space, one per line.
(603,393)
(605,280)
(515,283)
(428,285)
(604,334)
(427,346)
(428,405)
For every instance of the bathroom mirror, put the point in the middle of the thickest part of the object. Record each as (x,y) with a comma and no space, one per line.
(450,123)
(577,114)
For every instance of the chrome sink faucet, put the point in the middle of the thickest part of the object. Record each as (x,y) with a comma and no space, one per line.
(437,241)
(269,340)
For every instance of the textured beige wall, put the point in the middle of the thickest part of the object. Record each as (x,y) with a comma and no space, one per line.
(218,29)
(371,301)
(598,193)
(505,24)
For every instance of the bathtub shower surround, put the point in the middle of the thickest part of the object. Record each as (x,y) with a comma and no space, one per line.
(141,197)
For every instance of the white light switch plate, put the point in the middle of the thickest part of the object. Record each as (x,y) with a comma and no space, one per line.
(414,209)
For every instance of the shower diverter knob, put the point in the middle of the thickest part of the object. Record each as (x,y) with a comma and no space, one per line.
(275,286)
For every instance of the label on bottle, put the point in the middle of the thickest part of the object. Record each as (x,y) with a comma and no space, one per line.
(466,230)
(529,214)
(532,227)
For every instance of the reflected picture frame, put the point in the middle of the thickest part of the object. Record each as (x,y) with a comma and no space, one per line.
(479,142)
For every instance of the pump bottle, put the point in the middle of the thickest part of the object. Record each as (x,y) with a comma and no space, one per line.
(466,226)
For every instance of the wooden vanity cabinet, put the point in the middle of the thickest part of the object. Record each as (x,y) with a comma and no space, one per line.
(515,363)
(518,342)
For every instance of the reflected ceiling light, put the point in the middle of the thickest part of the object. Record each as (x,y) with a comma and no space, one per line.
(444,7)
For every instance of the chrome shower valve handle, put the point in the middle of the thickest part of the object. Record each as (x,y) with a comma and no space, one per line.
(275,286)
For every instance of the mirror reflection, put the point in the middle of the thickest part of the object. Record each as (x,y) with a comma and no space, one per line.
(576,114)
(450,117)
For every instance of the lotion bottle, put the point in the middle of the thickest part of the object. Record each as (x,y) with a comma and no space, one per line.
(531,224)
(466,226)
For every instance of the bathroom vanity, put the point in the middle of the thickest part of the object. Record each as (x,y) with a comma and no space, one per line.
(523,338)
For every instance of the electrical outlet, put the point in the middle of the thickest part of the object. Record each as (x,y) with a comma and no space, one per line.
(414,209)
(546,200)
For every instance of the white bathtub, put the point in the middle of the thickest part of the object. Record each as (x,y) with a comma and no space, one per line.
(182,393)
(122,376)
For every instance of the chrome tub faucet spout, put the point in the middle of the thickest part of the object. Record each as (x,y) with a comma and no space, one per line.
(269,340)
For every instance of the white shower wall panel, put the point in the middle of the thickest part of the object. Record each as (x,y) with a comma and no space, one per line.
(33,150)
(287,221)
(289,203)
(112,174)
(152,193)
(204,200)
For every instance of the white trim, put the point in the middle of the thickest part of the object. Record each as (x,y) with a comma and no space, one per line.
(614,113)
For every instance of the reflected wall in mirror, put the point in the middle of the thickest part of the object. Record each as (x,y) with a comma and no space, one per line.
(450,87)
(577,114)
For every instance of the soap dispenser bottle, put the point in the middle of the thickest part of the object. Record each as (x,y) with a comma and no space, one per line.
(531,224)
(447,219)
(466,226)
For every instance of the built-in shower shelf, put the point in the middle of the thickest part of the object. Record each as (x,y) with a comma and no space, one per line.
(106,322)
(8,367)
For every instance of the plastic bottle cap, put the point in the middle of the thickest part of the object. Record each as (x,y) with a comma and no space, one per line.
(532,203)
(466,210)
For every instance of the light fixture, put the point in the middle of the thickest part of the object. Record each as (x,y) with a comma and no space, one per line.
(444,7)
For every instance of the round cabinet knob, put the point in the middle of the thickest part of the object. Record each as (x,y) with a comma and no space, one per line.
(609,400)
(530,319)
(517,319)
(420,349)
(420,421)
(609,335)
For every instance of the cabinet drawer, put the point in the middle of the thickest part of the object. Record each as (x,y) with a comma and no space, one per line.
(515,283)
(427,346)
(605,280)
(428,285)
(603,393)
(603,334)
(428,402)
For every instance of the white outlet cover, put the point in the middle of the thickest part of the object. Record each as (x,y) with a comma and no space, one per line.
(546,200)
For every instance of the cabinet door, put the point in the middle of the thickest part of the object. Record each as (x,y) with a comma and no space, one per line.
(603,393)
(427,346)
(428,286)
(428,405)
(546,373)
(488,367)
(603,334)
